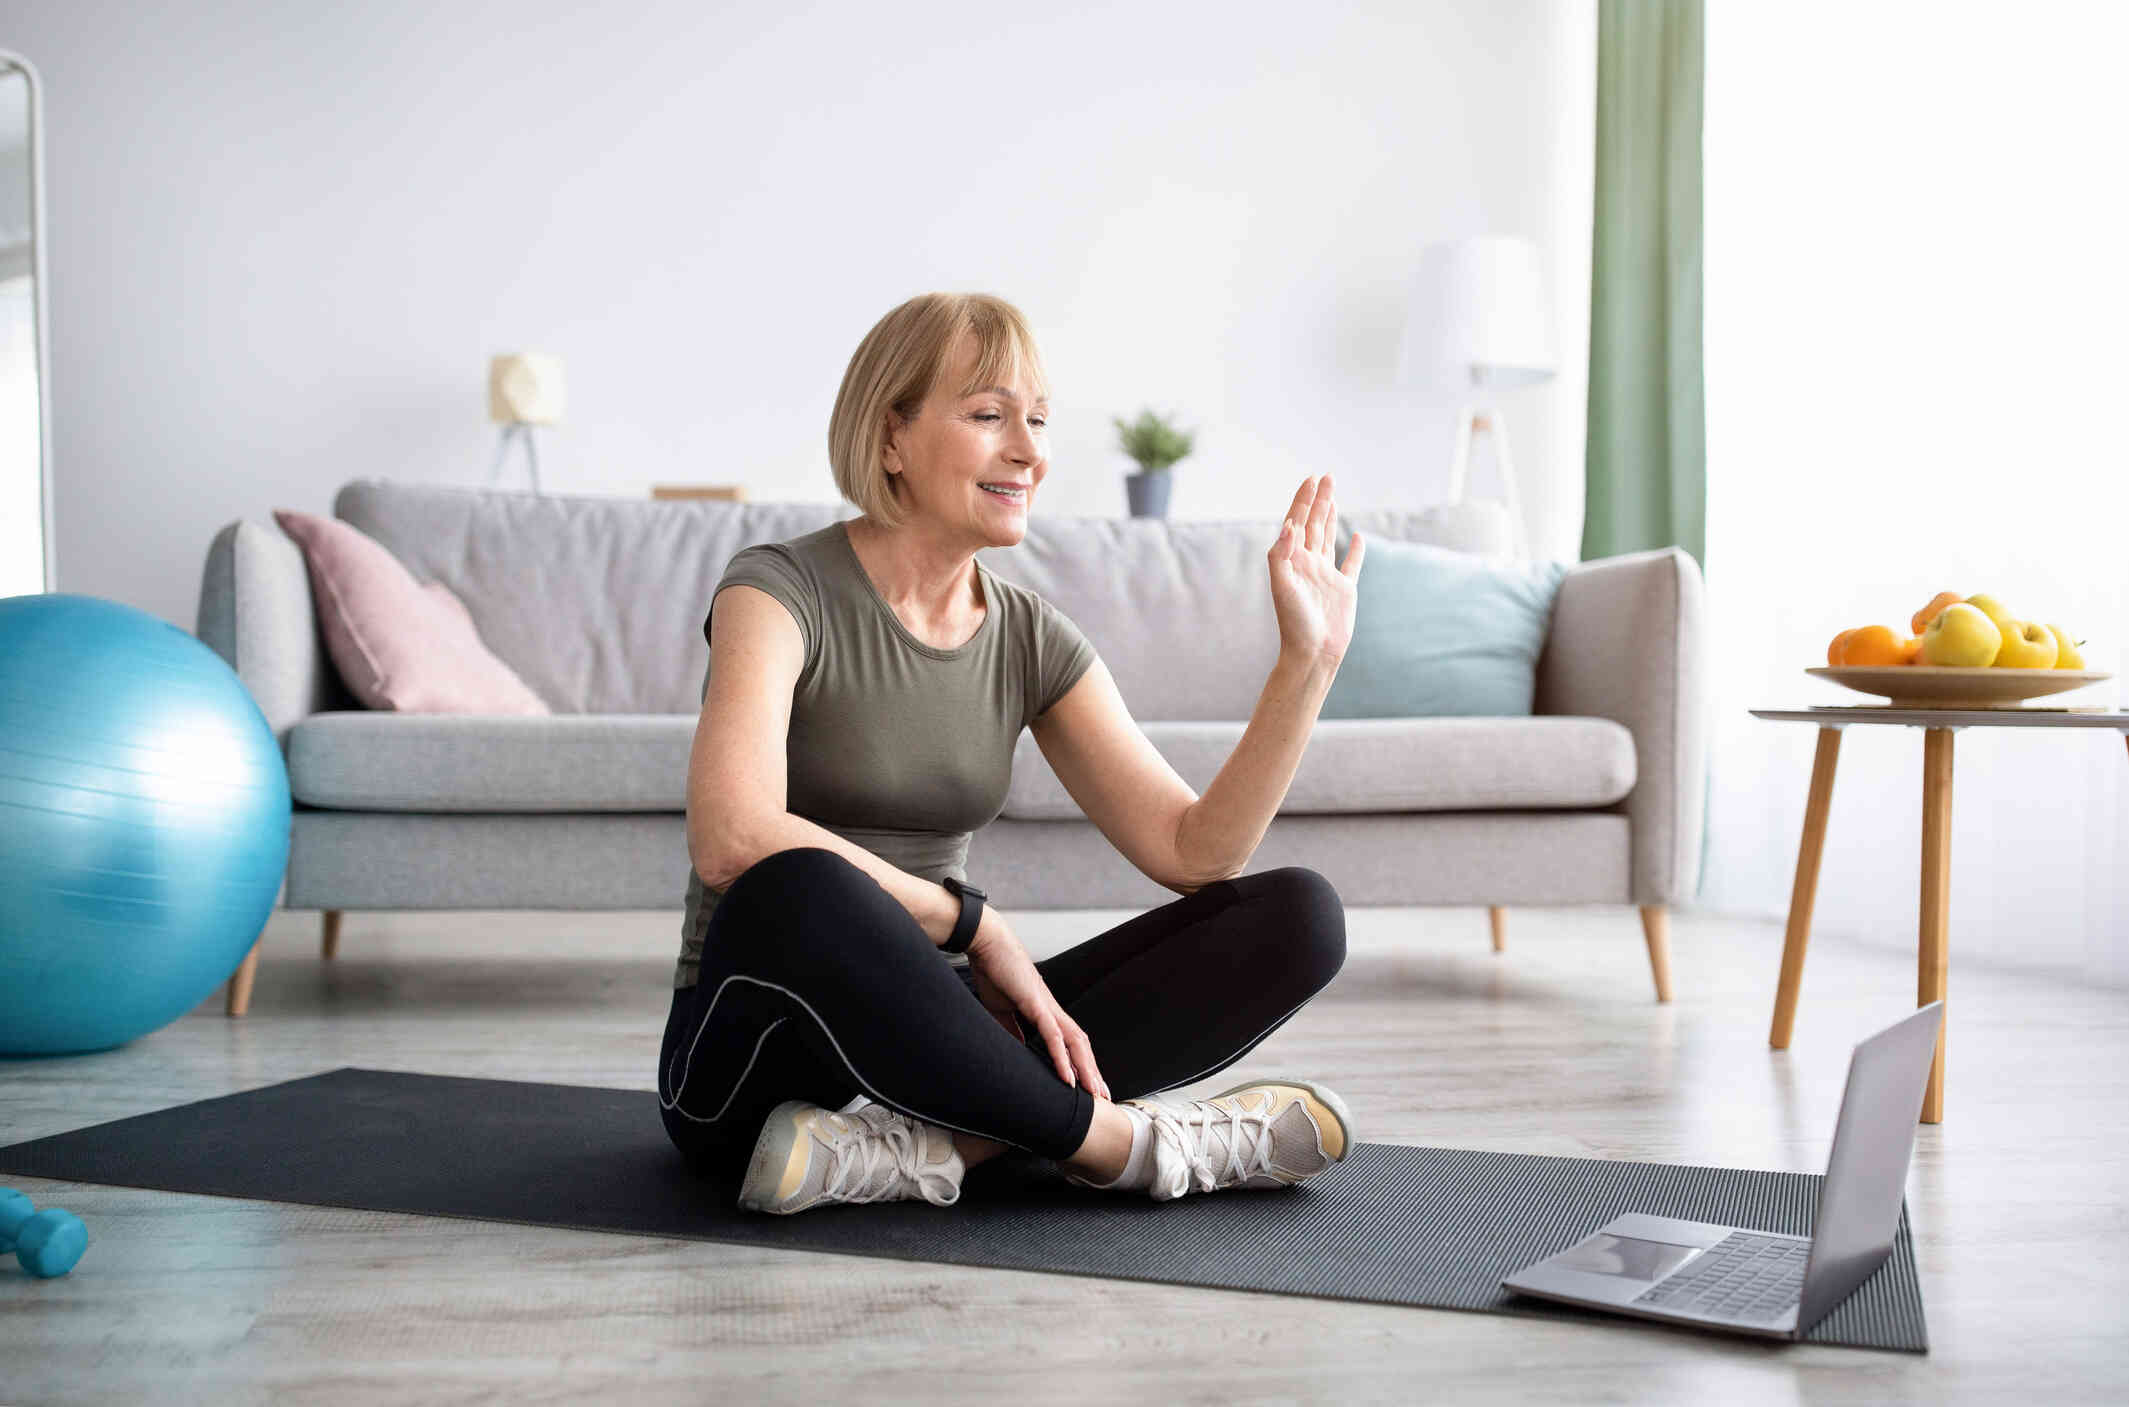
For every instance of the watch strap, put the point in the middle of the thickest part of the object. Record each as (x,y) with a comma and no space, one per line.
(971,914)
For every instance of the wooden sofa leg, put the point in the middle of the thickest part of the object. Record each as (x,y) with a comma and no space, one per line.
(329,946)
(1656,927)
(240,981)
(1498,916)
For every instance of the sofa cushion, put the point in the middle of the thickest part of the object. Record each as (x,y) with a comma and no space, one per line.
(1438,632)
(398,643)
(598,603)
(362,761)
(1181,611)
(638,762)
(1387,764)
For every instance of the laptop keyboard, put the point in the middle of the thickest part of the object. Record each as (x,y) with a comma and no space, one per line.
(1744,1277)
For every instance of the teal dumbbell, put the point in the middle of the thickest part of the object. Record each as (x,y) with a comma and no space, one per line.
(47,1243)
(15,1209)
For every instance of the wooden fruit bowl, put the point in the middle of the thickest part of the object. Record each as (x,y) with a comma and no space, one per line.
(1956,686)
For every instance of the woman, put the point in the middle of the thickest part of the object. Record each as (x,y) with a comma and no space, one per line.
(866,684)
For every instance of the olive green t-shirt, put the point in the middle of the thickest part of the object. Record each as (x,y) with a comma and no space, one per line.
(898,747)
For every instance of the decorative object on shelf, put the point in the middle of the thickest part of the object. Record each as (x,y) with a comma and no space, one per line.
(1478,325)
(727,493)
(524,390)
(1156,445)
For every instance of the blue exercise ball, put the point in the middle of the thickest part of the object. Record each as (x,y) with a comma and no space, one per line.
(144,817)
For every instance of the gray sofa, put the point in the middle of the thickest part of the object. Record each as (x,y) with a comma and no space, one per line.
(598,604)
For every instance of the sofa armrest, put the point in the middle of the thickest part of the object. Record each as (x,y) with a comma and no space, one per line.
(256,613)
(1628,642)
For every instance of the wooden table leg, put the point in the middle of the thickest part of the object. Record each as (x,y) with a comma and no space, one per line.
(1934,946)
(1806,888)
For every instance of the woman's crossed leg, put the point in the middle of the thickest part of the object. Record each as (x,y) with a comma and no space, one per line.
(817,985)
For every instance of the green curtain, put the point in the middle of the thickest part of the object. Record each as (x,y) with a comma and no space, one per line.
(1647,451)
(1647,456)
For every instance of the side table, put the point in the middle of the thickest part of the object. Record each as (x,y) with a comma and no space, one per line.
(1938,725)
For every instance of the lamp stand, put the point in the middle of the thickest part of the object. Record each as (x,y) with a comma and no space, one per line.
(1474,418)
(516,430)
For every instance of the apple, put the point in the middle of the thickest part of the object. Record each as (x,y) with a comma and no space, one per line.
(2027,646)
(1961,634)
(1995,611)
(2066,652)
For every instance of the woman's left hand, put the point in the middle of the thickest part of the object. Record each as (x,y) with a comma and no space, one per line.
(1010,987)
(1313,596)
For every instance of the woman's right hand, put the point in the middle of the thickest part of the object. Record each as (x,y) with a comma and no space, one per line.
(1008,985)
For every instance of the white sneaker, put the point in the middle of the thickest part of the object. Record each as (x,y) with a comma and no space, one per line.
(807,1156)
(1265,1134)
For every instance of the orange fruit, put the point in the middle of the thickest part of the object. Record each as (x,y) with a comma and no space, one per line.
(1838,646)
(1929,612)
(1873,645)
(1911,650)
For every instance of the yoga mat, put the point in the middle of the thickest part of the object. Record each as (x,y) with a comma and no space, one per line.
(1391,1224)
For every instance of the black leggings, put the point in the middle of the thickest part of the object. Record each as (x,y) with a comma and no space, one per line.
(817,984)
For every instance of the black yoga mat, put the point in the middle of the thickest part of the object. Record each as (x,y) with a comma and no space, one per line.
(1391,1224)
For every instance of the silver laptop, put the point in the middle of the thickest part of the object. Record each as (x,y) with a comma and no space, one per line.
(1758,1282)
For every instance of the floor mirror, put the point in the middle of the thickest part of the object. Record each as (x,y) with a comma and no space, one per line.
(25,400)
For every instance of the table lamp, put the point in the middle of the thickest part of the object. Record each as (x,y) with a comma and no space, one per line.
(1477,325)
(524,390)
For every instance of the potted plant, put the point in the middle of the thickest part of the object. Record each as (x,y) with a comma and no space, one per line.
(1156,445)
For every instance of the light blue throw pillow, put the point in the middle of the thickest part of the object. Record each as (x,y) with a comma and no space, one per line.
(1441,632)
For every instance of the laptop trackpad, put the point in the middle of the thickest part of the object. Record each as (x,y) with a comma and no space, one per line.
(1626,1256)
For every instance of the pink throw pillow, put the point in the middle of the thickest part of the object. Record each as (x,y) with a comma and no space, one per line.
(399,644)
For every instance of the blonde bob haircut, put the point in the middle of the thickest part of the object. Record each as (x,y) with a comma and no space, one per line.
(896,368)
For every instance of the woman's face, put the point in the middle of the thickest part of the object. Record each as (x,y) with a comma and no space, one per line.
(957,444)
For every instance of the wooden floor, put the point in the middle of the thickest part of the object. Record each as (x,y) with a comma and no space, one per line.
(1554,1046)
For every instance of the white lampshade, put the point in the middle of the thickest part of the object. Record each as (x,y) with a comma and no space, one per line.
(525,389)
(1477,318)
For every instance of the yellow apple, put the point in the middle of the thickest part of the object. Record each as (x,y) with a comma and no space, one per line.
(2066,653)
(2027,646)
(1961,634)
(1994,610)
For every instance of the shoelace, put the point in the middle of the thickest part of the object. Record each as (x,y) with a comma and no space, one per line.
(855,1150)
(1188,1132)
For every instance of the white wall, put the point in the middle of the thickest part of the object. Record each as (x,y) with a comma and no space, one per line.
(286,239)
(1916,289)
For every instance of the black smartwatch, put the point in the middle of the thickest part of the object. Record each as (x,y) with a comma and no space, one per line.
(971,910)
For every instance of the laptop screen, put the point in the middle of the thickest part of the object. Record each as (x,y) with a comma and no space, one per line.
(1866,1175)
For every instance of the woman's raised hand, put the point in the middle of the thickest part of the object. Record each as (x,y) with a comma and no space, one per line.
(1009,987)
(1313,597)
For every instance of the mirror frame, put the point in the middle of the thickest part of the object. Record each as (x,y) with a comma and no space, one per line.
(40,338)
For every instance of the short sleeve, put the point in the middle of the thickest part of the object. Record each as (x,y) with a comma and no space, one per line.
(1062,655)
(772,567)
